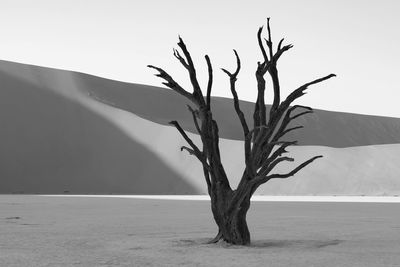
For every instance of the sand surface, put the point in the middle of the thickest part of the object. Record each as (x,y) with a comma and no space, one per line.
(65,231)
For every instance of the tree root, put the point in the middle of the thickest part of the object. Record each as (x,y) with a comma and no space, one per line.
(216,238)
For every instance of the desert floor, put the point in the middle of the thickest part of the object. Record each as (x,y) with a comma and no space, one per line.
(66,231)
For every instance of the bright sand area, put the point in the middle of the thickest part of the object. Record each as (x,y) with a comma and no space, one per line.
(72,231)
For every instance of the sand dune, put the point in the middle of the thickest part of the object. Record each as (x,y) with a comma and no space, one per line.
(324,128)
(56,137)
(363,170)
(51,143)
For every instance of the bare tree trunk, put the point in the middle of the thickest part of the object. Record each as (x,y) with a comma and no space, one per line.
(235,230)
(230,217)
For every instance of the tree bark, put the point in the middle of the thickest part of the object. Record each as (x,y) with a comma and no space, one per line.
(231,220)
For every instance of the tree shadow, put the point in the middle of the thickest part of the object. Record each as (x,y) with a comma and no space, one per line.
(258,244)
(312,244)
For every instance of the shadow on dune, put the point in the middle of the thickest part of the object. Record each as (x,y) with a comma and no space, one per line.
(50,144)
(325,128)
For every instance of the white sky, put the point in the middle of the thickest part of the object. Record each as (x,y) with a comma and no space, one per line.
(116,39)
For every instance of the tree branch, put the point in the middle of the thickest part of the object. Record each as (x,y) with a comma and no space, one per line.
(290,129)
(194,150)
(207,178)
(280,51)
(301,114)
(280,134)
(242,119)
(288,118)
(280,44)
(285,105)
(192,73)
(249,153)
(294,171)
(300,91)
(265,159)
(233,78)
(189,150)
(271,166)
(260,44)
(170,82)
(259,115)
(273,71)
(269,41)
(194,115)
(180,58)
(186,137)
(198,154)
(210,81)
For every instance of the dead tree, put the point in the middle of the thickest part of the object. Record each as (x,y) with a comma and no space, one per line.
(264,144)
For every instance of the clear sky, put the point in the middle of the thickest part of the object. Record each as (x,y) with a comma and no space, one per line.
(116,39)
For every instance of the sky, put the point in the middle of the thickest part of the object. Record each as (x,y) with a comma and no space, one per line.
(357,40)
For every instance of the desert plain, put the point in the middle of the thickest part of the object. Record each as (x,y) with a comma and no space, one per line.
(85,231)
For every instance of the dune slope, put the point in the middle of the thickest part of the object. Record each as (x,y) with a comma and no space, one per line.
(56,137)
(362,170)
(53,144)
(324,128)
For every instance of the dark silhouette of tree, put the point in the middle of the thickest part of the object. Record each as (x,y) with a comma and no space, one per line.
(263,144)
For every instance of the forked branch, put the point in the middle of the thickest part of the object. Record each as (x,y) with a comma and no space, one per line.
(300,91)
(239,112)
(192,72)
(232,79)
(171,83)
(293,172)
(195,149)
(273,164)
